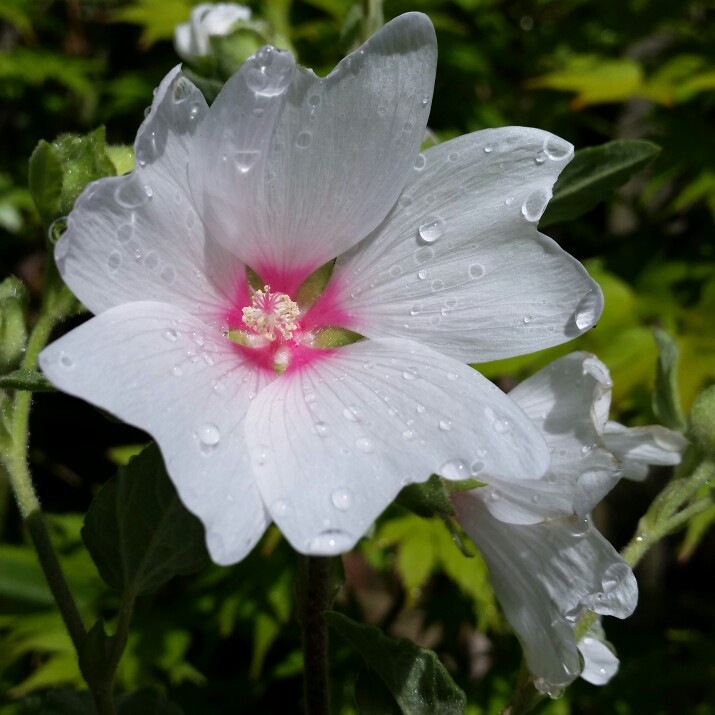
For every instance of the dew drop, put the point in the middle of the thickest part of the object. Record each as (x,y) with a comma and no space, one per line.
(408,127)
(422,274)
(329,543)
(304,140)
(66,361)
(476,467)
(321,429)
(125,232)
(148,191)
(420,162)
(424,254)
(437,284)
(526,319)
(168,274)
(453,156)
(177,371)
(501,425)
(556,148)
(509,201)
(352,413)
(245,160)
(364,444)
(445,425)
(260,455)
(194,111)
(114,260)
(540,158)
(281,508)
(577,526)
(408,435)
(454,469)
(452,376)
(171,335)
(415,309)
(476,270)
(488,148)
(410,373)
(431,229)
(425,100)
(129,194)
(342,499)
(209,434)
(395,271)
(535,205)
(421,409)
(586,311)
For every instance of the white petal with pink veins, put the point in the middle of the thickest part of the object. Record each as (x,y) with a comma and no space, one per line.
(139,236)
(290,170)
(158,368)
(335,440)
(459,265)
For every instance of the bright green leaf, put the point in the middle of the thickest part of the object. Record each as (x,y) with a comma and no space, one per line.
(594,174)
(414,676)
(138,532)
(45,179)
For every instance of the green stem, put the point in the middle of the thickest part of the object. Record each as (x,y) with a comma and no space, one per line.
(319,593)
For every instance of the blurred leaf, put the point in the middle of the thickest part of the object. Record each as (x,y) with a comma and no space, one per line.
(666,397)
(21,577)
(372,696)
(26,380)
(138,532)
(146,701)
(594,79)
(95,654)
(68,702)
(697,527)
(594,174)
(414,676)
(157,19)
(122,156)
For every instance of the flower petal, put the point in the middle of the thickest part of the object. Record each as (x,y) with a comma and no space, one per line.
(336,439)
(291,170)
(138,236)
(639,447)
(158,368)
(544,576)
(600,663)
(459,265)
(568,401)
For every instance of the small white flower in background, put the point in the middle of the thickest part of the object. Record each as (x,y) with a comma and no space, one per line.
(439,264)
(191,39)
(548,564)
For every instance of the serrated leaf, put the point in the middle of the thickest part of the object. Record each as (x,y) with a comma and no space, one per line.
(666,397)
(45,180)
(414,676)
(594,174)
(138,532)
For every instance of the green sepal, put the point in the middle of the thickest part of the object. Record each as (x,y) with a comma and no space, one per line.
(666,396)
(332,337)
(45,181)
(13,323)
(138,532)
(414,676)
(431,498)
(594,174)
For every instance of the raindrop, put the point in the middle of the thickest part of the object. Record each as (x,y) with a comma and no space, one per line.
(352,413)
(260,455)
(321,429)
(395,271)
(509,200)
(476,270)
(437,285)
(314,100)
(209,434)
(194,111)
(415,309)
(452,376)
(431,229)
(410,373)
(585,314)
(148,191)
(342,499)
(535,205)
(421,409)
(168,274)
(488,148)
(422,274)
(577,526)
(420,162)
(445,425)
(125,232)
(171,335)
(527,319)
(424,254)
(476,467)
(540,158)
(364,444)
(382,111)
(425,100)
(151,261)
(329,543)
(66,361)
(245,160)
(408,127)
(177,371)
(304,140)
(114,260)
(453,156)
(408,434)
(501,426)
(454,469)
(269,72)
(556,148)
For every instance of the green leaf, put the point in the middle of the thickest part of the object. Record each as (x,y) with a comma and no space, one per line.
(372,696)
(427,499)
(594,174)
(666,397)
(26,380)
(414,676)
(45,180)
(138,532)
(95,654)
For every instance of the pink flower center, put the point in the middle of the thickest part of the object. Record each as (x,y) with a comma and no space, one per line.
(271,313)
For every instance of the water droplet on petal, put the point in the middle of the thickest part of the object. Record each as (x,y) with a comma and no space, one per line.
(304,140)
(329,543)
(321,429)
(455,469)
(245,160)
(269,72)
(535,205)
(281,508)
(501,425)
(526,319)
(556,148)
(586,312)
(171,335)
(437,285)
(114,260)
(445,425)
(509,200)
(177,371)
(364,444)
(421,409)
(259,454)
(540,158)
(168,274)
(431,229)
(424,254)
(420,162)
(422,274)
(488,148)
(66,361)
(342,499)
(410,373)
(476,270)
(195,110)
(476,467)
(209,434)
(578,526)
(352,413)
(408,435)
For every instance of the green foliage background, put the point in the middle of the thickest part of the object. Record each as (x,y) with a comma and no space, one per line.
(226,640)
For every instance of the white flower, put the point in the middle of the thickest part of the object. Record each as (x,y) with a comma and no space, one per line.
(546,560)
(191,39)
(439,264)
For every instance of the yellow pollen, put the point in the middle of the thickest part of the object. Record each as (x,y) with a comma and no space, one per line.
(271,313)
